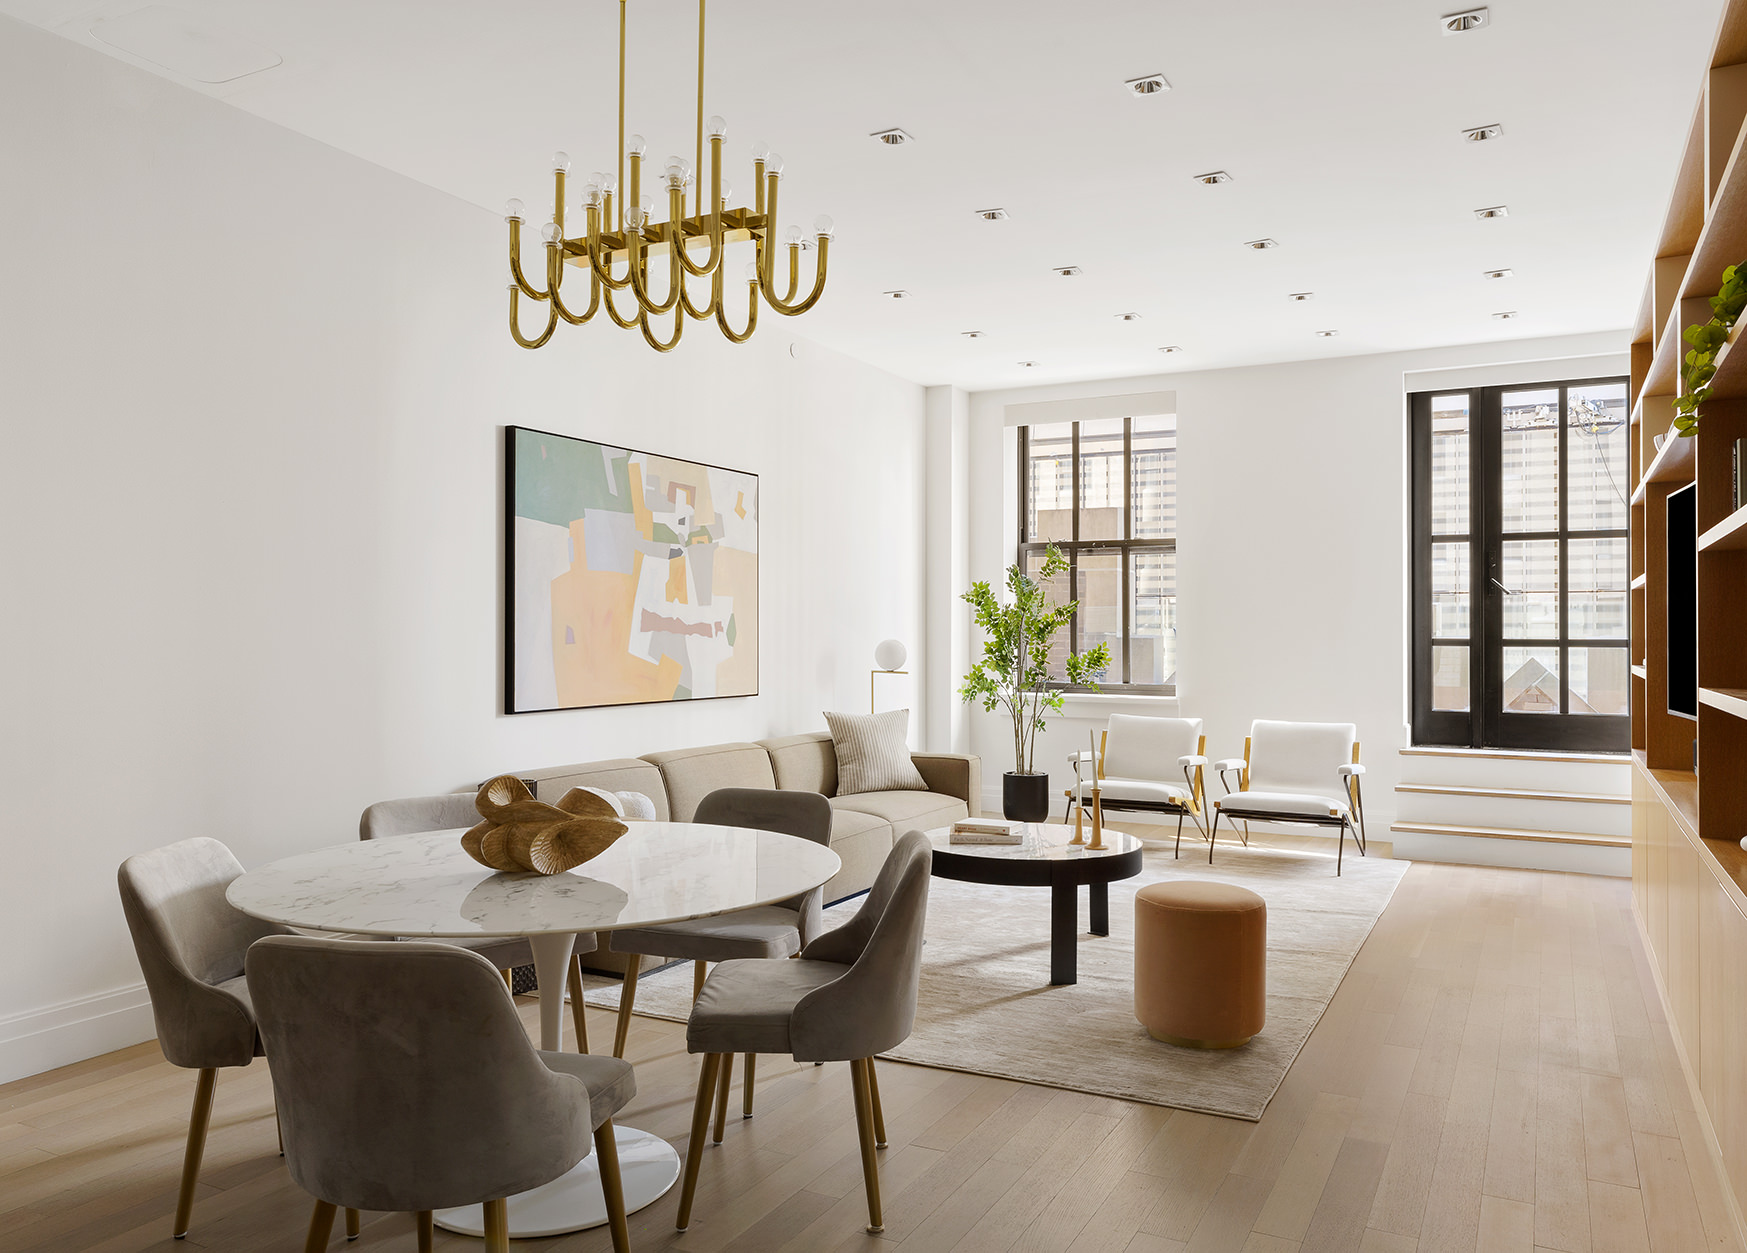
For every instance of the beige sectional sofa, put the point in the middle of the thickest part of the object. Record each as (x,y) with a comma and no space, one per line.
(863,826)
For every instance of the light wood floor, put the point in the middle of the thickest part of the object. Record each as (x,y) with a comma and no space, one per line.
(1494,1074)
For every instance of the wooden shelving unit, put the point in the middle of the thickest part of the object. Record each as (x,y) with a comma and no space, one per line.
(1689,784)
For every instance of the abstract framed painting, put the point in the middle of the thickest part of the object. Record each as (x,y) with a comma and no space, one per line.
(630,578)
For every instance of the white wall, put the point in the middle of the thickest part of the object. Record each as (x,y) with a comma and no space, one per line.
(1292,539)
(251,400)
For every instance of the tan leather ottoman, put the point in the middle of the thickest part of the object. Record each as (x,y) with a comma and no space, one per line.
(1200,963)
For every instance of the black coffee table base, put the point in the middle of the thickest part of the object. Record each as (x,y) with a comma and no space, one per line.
(1063,878)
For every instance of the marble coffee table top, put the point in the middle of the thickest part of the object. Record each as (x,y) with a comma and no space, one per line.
(1044,841)
(425,885)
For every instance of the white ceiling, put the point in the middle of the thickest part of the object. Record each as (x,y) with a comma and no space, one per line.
(1340,123)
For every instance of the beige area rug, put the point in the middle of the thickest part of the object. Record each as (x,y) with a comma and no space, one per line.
(986,1006)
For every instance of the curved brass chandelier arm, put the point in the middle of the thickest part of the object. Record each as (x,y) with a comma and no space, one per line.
(515,323)
(594,293)
(709,307)
(823,245)
(722,312)
(649,337)
(637,275)
(521,281)
(623,323)
(713,259)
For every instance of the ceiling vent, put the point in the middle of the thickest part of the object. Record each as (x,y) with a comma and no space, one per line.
(1465,21)
(1147,85)
(1480,134)
(894,136)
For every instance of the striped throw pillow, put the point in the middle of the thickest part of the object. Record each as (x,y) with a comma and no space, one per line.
(871,753)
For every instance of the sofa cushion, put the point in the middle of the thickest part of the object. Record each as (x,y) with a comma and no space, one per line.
(872,755)
(905,811)
(863,851)
(693,773)
(623,774)
(804,763)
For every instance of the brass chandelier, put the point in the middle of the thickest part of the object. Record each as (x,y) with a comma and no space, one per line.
(622,238)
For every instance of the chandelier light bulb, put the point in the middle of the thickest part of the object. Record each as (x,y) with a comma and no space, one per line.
(760,151)
(751,272)
(633,218)
(609,184)
(792,237)
(561,162)
(552,233)
(773,164)
(727,192)
(635,146)
(716,126)
(823,226)
(512,212)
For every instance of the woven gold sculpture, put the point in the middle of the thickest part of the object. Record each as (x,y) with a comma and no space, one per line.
(521,833)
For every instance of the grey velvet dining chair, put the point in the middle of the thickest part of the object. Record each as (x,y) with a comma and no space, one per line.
(190,942)
(417,815)
(849,995)
(406,1082)
(779,930)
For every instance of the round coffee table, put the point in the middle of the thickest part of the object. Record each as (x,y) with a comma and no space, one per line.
(1046,859)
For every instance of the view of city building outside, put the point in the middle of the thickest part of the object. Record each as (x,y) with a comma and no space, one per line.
(1536,663)
(1135,529)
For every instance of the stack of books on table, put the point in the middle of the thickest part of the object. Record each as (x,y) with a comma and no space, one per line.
(987,831)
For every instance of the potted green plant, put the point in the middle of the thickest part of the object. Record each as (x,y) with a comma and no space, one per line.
(1014,673)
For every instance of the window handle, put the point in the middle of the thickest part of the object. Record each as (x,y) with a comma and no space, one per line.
(1501,587)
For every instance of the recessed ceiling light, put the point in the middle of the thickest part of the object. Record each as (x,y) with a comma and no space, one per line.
(1213,177)
(973,334)
(1128,317)
(1029,365)
(899,294)
(1505,316)
(1171,348)
(1507,272)
(1299,297)
(1480,134)
(1067,271)
(894,136)
(1466,20)
(1259,244)
(1492,211)
(1327,334)
(1147,85)
(992,215)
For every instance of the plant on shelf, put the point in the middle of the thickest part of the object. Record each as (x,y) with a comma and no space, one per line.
(1699,365)
(1014,672)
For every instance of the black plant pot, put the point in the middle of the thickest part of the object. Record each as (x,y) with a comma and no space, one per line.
(1025,797)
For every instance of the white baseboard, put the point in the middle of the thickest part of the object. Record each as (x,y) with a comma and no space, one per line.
(1470,850)
(87,1026)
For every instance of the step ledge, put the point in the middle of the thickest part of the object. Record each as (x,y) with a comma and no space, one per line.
(1512,833)
(1513,754)
(1515,794)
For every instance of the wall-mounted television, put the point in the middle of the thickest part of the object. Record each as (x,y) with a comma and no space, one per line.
(1683,601)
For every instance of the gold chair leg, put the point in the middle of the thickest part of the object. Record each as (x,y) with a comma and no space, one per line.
(870,1164)
(509,979)
(694,1149)
(700,972)
(879,1115)
(627,998)
(427,1232)
(576,1004)
(606,1147)
(497,1227)
(746,1082)
(353,1225)
(197,1122)
(722,1085)
(321,1226)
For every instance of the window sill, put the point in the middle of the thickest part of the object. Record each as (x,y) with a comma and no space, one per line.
(1103,704)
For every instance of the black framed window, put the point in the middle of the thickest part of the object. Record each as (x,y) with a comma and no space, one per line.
(1105,493)
(1520,591)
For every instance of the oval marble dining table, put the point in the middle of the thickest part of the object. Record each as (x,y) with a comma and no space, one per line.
(426,886)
